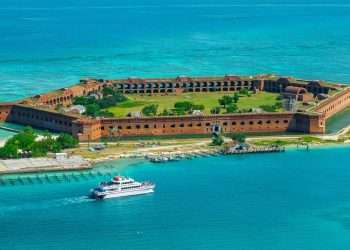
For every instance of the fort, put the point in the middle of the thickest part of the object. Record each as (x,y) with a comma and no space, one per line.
(318,101)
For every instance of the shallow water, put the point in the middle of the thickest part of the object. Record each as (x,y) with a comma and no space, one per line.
(271,201)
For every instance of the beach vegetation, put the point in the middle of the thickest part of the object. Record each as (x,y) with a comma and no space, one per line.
(29,144)
(239,137)
(217,140)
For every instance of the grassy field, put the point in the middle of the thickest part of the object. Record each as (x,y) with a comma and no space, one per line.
(209,100)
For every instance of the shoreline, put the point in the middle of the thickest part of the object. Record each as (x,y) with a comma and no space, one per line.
(201,152)
(176,149)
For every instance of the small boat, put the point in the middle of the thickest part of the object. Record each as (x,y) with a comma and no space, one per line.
(121,186)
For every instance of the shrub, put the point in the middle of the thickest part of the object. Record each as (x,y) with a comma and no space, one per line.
(239,137)
(217,140)
(185,106)
(225,100)
(67,141)
(232,108)
(150,110)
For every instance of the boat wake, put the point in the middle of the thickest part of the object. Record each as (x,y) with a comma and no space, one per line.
(45,204)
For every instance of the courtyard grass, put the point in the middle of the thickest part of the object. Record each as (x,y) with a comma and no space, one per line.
(135,103)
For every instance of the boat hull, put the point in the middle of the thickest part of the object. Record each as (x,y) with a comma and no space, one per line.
(118,194)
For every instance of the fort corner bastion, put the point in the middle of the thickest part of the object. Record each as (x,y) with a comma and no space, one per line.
(316,102)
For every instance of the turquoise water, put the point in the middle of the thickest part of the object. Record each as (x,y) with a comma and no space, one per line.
(45,45)
(287,201)
(295,200)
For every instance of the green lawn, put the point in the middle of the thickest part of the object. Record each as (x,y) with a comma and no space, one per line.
(209,100)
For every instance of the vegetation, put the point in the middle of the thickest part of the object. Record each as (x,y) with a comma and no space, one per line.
(28,144)
(97,107)
(272,108)
(292,141)
(225,100)
(207,102)
(217,140)
(239,137)
(232,108)
(150,110)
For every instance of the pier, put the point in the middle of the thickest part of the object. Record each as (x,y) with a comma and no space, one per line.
(252,150)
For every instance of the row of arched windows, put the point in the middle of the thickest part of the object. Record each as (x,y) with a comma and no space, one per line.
(197,124)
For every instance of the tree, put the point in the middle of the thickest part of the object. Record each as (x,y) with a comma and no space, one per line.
(39,149)
(106,113)
(239,137)
(185,106)
(83,100)
(235,97)
(107,102)
(244,92)
(232,108)
(67,141)
(92,110)
(225,100)
(150,110)
(9,151)
(217,140)
(106,91)
(28,144)
(272,108)
(215,110)
(200,107)
(119,97)
(50,143)
(23,140)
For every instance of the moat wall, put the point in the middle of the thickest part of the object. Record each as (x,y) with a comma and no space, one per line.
(38,118)
(334,104)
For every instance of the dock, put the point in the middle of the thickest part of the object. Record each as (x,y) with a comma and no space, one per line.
(254,150)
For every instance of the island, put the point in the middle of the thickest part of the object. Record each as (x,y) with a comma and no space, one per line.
(120,118)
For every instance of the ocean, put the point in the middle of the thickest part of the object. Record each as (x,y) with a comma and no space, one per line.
(294,200)
(46,45)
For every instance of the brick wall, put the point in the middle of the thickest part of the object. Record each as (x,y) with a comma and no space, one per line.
(5,109)
(334,104)
(43,119)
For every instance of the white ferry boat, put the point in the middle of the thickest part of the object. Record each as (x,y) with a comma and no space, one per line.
(121,186)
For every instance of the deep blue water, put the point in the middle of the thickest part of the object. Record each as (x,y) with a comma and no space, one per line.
(286,201)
